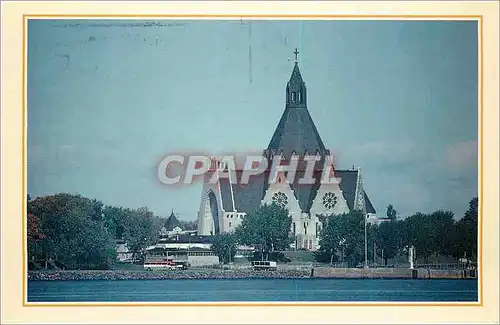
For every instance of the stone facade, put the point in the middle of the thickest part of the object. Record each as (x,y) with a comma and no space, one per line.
(224,205)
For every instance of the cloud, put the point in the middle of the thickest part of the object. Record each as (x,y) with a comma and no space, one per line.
(400,156)
(461,157)
(400,190)
(413,178)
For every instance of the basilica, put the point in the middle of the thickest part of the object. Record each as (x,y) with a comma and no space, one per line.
(225,203)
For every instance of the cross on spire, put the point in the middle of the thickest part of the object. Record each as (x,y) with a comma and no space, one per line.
(296,54)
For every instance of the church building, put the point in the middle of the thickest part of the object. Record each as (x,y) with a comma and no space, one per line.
(225,204)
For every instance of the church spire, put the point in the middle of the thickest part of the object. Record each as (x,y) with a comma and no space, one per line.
(296,88)
(296,132)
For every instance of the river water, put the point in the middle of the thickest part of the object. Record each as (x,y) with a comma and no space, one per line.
(253,290)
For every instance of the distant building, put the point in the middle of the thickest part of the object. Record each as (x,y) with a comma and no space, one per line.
(173,227)
(123,254)
(191,249)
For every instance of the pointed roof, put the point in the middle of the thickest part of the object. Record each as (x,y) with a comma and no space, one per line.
(296,131)
(172,222)
(248,197)
(296,77)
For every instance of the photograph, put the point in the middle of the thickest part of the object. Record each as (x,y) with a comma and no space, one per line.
(252,160)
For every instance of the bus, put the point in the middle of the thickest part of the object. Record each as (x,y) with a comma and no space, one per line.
(264,265)
(164,265)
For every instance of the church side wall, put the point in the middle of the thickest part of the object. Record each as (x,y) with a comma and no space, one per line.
(232,220)
(205,219)
(340,207)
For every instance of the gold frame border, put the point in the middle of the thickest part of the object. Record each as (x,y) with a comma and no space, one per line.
(478,18)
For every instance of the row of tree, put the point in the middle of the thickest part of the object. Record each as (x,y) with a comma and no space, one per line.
(434,236)
(342,237)
(80,233)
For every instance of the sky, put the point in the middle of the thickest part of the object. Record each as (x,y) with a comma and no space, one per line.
(107,99)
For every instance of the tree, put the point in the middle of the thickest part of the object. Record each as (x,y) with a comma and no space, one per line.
(442,224)
(431,234)
(138,230)
(387,239)
(267,228)
(419,233)
(225,246)
(34,236)
(74,232)
(343,233)
(391,212)
(114,218)
(467,232)
(189,225)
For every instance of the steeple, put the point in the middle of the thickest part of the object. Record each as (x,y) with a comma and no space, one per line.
(296,131)
(172,222)
(296,94)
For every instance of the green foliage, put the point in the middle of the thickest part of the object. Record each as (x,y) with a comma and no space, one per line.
(138,229)
(79,233)
(433,235)
(467,231)
(189,225)
(391,213)
(224,245)
(114,218)
(268,228)
(35,236)
(343,234)
(387,238)
(73,232)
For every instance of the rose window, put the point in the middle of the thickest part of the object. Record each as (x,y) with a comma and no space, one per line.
(329,200)
(280,199)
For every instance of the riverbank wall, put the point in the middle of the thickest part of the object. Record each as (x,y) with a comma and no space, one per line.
(392,273)
(160,275)
(317,272)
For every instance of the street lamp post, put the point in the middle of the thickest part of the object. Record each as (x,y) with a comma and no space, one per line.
(342,243)
(228,246)
(366,246)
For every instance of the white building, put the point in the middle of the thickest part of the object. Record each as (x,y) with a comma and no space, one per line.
(123,254)
(224,204)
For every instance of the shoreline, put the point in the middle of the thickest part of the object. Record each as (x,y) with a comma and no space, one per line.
(199,274)
(161,275)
